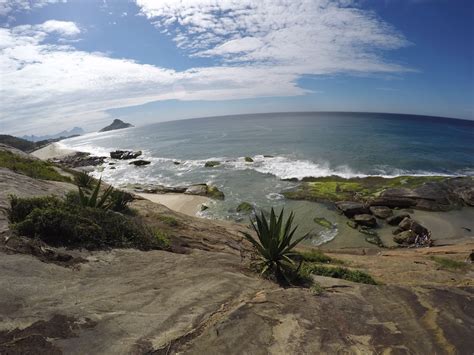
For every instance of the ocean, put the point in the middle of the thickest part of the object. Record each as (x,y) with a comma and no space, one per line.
(284,146)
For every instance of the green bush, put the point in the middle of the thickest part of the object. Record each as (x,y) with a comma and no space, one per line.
(65,224)
(317,256)
(36,169)
(83,179)
(120,199)
(20,208)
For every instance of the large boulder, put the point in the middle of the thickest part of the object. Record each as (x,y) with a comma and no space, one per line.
(381,211)
(366,220)
(395,220)
(350,209)
(410,224)
(245,208)
(199,189)
(125,154)
(211,164)
(406,237)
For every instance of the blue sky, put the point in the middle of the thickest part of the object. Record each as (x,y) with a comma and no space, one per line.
(84,62)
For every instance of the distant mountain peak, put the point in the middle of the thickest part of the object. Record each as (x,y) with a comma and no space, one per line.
(116,124)
(76,131)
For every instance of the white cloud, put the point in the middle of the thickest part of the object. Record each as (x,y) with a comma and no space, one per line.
(261,48)
(317,36)
(9,6)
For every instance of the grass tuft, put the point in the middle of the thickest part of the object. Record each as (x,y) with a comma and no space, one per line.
(449,264)
(33,168)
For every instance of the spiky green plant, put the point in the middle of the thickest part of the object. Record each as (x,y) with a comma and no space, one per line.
(275,242)
(94,200)
(83,179)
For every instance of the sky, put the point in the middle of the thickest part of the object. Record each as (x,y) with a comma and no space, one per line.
(85,62)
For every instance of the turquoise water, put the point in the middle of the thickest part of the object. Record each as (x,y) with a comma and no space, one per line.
(300,144)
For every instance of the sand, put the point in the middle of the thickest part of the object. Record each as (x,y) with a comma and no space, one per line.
(186,204)
(52,151)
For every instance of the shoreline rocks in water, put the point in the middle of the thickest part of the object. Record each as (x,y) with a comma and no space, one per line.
(211,164)
(196,189)
(140,162)
(431,193)
(125,154)
(79,160)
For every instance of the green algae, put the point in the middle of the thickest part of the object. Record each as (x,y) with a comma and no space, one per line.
(334,188)
(323,222)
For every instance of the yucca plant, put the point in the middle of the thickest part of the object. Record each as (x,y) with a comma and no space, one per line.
(84,180)
(94,200)
(275,242)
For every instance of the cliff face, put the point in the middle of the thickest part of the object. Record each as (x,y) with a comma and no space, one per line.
(116,124)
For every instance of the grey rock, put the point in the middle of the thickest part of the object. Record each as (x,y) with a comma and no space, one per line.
(140,162)
(395,220)
(350,209)
(381,211)
(405,237)
(365,220)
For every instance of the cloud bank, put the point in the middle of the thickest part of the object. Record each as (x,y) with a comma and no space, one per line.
(258,48)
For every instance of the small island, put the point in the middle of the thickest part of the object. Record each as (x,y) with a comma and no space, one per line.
(116,124)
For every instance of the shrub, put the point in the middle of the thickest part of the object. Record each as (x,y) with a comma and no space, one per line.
(84,180)
(275,244)
(120,199)
(317,256)
(34,168)
(63,224)
(168,220)
(94,200)
(20,208)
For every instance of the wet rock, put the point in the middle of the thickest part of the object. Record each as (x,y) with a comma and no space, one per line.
(245,207)
(248,160)
(393,201)
(397,230)
(350,209)
(395,220)
(80,159)
(268,156)
(176,163)
(352,224)
(205,190)
(365,220)
(211,164)
(140,162)
(410,224)
(125,154)
(204,207)
(381,211)
(406,237)
(199,189)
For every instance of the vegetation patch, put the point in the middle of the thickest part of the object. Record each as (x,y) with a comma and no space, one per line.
(64,223)
(169,221)
(334,188)
(36,169)
(449,264)
(337,272)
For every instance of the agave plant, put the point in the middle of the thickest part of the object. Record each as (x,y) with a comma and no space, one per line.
(94,200)
(84,180)
(275,242)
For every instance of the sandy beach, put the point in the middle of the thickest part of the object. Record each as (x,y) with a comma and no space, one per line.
(186,204)
(51,151)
